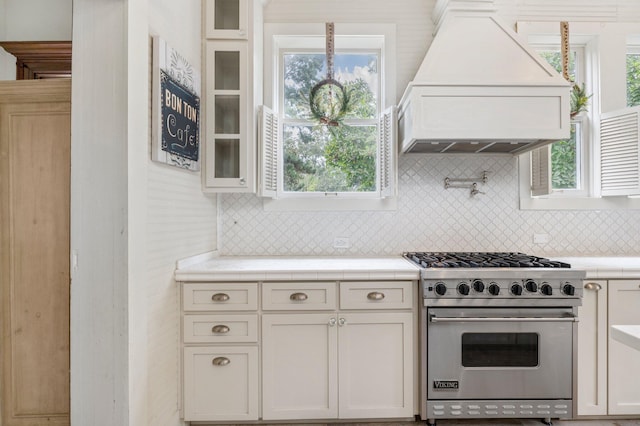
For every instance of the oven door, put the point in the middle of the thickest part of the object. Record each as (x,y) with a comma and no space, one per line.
(499,353)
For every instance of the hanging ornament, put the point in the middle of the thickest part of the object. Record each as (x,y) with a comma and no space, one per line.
(579,98)
(329,100)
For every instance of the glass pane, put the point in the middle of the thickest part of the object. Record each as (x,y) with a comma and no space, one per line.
(633,79)
(564,161)
(323,159)
(227,70)
(554,58)
(358,74)
(228,114)
(227,160)
(500,350)
(227,14)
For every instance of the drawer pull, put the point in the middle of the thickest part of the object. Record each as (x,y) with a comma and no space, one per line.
(220,297)
(298,297)
(375,295)
(220,329)
(220,361)
(593,286)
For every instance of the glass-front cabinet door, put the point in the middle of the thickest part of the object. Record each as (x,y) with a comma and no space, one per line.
(227,114)
(226,19)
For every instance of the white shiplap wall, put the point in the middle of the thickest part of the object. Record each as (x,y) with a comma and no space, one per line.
(428,216)
(180,222)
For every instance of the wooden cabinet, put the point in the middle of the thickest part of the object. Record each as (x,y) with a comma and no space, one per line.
(607,369)
(341,364)
(233,87)
(220,351)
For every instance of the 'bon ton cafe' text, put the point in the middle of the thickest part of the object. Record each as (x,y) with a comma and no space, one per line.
(185,135)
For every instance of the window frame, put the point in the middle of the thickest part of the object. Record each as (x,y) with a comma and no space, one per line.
(285,38)
(603,63)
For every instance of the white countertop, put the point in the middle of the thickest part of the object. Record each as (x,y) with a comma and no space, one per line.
(605,267)
(627,334)
(297,268)
(208,267)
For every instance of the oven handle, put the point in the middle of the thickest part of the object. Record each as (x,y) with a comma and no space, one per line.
(571,318)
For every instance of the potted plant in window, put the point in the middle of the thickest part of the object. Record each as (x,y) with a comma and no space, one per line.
(579,100)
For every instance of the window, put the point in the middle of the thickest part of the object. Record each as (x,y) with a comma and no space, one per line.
(633,75)
(312,162)
(584,173)
(569,169)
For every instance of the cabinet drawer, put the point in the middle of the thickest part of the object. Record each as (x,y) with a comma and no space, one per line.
(376,294)
(221,383)
(220,328)
(220,297)
(299,296)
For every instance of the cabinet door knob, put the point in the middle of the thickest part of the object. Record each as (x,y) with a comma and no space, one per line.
(298,297)
(342,322)
(221,361)
(242,181)
(220,297)
(593,286)
(375,295)
(332,322)
(220,329)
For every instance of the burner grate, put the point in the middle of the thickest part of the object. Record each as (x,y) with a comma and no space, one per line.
(481,260)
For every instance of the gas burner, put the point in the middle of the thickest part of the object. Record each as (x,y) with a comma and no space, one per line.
(481,260)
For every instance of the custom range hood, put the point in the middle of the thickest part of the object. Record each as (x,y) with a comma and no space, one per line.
(481,89)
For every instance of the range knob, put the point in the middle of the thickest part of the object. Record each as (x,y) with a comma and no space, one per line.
(546,289)
(463,288)
(568,289)
(440,289)
(531,286)
(516,289)
(494,289)
(478,286)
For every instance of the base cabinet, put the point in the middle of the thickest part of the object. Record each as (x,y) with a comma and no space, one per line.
(220,383)
(297,351)
(607,369)
(303,353)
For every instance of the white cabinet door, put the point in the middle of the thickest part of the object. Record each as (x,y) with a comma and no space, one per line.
(226,19)
(624,361)
(592,350)
(220,383)
(376,365)
(299,366)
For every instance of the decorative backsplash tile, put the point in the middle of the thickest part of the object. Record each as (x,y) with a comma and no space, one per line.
(430,217)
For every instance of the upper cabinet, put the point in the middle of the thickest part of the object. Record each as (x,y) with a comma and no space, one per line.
(233,87)
(226,19)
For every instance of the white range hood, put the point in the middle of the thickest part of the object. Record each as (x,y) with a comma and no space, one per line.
(481,89)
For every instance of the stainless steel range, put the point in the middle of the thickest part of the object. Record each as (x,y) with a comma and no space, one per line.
(499,335)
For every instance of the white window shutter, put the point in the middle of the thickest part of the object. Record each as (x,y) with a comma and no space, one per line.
(619,152)
(541,171)
(269,139)
(387,143)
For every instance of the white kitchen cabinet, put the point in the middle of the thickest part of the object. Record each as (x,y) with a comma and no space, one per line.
(227,19)
(341,364)
(220,363)
(233,88)
(299,366)
(624,361)
(592,350)
(607,369)
(220,383)
(375,358)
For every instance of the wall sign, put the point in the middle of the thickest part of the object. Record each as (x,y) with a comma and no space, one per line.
(176,109)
